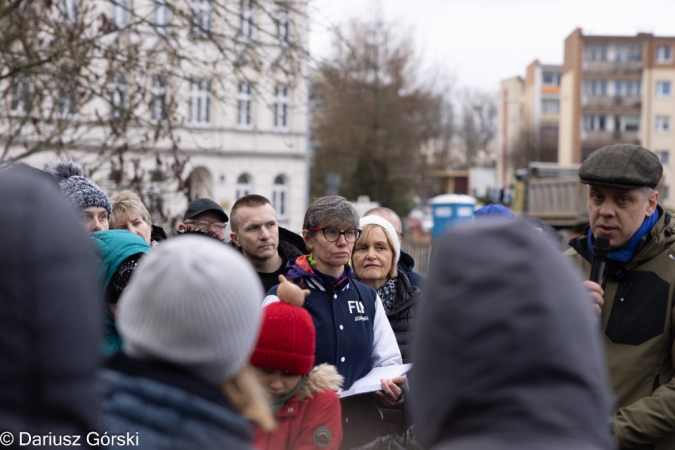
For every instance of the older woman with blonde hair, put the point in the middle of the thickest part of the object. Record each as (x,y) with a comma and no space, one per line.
(129,213)
(375,258)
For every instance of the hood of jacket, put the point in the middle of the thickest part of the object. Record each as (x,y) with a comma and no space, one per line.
(50,316)
(322,377)
(520,344)
(113,247)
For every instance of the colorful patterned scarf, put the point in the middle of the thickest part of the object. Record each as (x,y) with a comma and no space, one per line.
(304,267)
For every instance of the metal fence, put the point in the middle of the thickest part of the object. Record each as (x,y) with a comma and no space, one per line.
(421,253)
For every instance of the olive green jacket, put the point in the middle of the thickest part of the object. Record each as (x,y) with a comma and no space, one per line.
(639,332)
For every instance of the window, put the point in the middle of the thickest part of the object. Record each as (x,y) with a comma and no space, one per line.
(119,13)
(595,87)
(633,88)
(595,53)
(666,193)
(663,88)
(664,156)
(281,107)
(279,194)
(201,18)
(67,102)
(628,53)
(283,26)
(160,14)
(20,97)
(551,78)
(550,105)
(158,98)
(117,91)
(244,105)
(247,19)
(595,122)
(243,185)
(200,102)
(68,9)
(664,53)
(662,124)
(589,122)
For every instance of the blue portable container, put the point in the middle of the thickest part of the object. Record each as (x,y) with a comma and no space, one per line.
(450,210)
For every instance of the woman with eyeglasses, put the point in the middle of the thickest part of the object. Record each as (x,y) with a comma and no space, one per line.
(352,330)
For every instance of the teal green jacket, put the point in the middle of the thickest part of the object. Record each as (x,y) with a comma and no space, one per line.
(112,248)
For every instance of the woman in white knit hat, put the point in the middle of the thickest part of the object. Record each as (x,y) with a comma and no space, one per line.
(375,258)
(189,320)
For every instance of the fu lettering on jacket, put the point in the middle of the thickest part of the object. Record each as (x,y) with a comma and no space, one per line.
(355,305)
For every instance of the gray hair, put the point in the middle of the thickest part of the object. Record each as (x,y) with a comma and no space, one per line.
(331,211)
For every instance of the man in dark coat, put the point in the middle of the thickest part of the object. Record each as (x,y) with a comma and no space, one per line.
(507,351)
(50,317)
(257,235)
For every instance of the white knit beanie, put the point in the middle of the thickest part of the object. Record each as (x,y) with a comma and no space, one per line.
(193,302)
(388,227)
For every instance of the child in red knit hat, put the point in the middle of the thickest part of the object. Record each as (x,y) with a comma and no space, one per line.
(306,407)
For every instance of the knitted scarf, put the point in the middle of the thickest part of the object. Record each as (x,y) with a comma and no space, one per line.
(304,267)
(387,294)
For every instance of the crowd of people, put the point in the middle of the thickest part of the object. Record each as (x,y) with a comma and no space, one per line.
(116,332)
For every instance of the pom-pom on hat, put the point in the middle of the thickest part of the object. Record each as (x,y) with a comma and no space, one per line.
(286,340)
(388,228)
(195,303)
(80,191)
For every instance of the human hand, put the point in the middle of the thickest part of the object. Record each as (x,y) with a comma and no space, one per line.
(291,293)
(596,292)
(391,391)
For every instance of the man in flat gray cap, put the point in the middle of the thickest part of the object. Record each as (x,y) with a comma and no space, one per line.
(636,295)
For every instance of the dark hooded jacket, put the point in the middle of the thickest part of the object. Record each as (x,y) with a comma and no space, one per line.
(50,316)
(406,264)
(507,349)
(113,247)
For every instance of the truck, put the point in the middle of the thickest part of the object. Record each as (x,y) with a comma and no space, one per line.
(553,193)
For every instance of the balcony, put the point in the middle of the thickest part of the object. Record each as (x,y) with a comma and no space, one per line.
(614,67)
(610,137)
(610,102)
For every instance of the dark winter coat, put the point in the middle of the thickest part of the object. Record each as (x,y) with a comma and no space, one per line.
(507,349)
(50,319)
(169,408)
(402,314)
(639,335)
(405,265)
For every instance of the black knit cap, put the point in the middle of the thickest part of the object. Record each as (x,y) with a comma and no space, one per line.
(622,165)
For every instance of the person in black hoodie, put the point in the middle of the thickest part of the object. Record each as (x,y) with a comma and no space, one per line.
(50,320)
(507,351)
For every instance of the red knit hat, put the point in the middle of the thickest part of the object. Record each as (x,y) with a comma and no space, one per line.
(286,340)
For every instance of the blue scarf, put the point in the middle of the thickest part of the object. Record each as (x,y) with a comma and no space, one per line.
(625,253)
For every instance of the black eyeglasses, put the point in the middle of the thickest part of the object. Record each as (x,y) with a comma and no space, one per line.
(333,234)
(206,223)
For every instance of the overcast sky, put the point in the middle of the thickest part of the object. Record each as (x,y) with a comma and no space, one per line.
(481,42)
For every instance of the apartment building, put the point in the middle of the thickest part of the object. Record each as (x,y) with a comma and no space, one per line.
(528,117)
(618,89)
(240,121)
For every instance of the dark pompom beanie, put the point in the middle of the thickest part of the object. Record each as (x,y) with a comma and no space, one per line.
(80,191)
